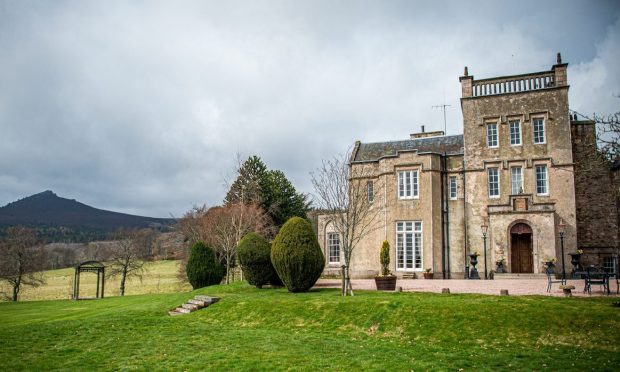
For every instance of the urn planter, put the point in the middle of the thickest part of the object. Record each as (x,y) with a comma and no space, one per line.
(499,268)
(473,274)
(385,283)
(574,260)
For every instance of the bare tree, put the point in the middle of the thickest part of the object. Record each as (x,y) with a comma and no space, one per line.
(341,190)
(21,259)
(226,226)
(607,134)
(193,224)
(126,257)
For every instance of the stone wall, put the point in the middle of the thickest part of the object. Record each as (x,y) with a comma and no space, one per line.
(597,196)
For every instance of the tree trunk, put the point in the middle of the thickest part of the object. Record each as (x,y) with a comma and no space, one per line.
(123,277)
(16,290)
(227,270)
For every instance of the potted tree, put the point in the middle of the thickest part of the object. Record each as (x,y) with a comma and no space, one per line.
(428,273)
(385,281)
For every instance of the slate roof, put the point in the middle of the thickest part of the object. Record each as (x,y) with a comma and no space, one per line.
(451,145)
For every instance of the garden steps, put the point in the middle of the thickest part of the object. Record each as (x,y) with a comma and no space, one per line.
(519,276)
(196,303)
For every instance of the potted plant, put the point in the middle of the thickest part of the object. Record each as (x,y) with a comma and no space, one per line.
(499,266)
(428,273)
(385,281)
(550,262)
(575,258)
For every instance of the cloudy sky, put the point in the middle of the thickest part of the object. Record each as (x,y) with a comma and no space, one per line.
(142,106)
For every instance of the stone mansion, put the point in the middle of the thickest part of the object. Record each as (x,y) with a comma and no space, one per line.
(522,166)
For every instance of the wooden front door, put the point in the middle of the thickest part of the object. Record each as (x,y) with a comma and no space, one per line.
(522,260)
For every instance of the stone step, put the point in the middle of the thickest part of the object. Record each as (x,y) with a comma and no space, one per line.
(512,276)
(208,299)
(191,307)
(196,303)
(200,303)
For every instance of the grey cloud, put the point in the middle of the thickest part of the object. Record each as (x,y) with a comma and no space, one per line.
(141,106)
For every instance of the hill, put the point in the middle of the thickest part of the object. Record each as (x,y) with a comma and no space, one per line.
(61,219)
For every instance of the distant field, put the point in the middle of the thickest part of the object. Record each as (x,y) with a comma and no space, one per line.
(160,277)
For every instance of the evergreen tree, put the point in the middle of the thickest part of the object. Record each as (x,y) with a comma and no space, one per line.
(269,189)
(280,199)
(250,182)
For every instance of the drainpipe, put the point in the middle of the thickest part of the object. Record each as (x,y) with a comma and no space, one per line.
(443,215)
(466,275)
(446,236)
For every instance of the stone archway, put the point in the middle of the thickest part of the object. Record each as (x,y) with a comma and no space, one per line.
(521,249)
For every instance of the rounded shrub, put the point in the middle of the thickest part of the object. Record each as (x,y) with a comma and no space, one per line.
(254,254)
(203,268)
(296,255)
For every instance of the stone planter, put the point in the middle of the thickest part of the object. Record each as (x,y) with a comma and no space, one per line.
(385,283)
(428,275)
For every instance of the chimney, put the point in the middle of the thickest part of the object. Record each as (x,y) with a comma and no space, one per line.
(424,134)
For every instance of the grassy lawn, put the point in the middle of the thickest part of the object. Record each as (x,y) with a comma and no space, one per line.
(273,329)
(159,277)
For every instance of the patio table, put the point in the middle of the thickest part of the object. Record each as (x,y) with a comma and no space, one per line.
(588,276)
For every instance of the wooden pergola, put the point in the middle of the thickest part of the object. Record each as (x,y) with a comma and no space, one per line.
(89,267)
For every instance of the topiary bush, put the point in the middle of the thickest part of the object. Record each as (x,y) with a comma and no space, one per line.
(254,254)
(203,268)
(297,256)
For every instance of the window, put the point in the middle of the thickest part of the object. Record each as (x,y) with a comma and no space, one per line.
(492,135)
(370,190)
(333,243)
(609,264)
(409,245)
(452,187)
(408,184)
(516,180)
(515,133)
(541,180)
(539,130)
(493,176)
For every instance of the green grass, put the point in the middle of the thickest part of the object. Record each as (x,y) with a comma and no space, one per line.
(273,329)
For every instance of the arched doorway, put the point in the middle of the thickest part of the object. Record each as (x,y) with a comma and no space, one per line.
(522,260)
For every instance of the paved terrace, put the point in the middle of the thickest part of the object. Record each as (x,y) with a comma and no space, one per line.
(518,287)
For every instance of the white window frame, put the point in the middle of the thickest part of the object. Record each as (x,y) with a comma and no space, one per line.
(612,269)
(408,184)
(409,242)
(492,136)
(519,133)
(370,191)
(514,188)
(333,242)
(489,188)
(452,184)
(544,131)
(545,179)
